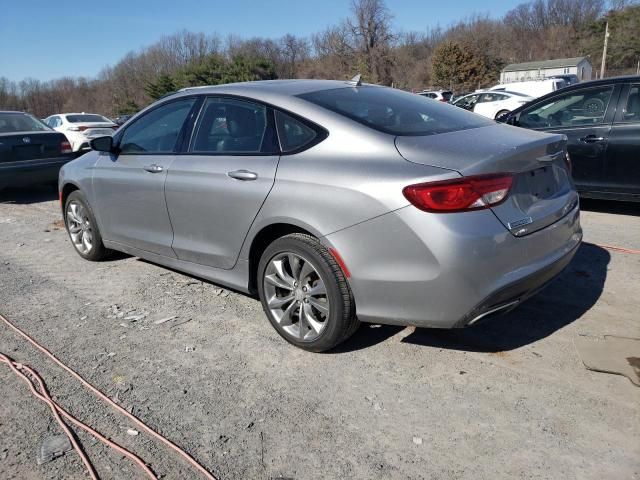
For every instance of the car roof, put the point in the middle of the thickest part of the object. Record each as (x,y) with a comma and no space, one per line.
(13,111)
(289,87)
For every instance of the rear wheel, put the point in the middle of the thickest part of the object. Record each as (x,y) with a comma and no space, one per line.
(305,294)
(82,228)
(501,113)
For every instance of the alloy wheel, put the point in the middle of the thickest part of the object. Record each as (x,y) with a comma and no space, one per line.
(296,296)
(79,226)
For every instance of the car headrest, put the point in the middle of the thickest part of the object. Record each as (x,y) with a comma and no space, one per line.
(241,122)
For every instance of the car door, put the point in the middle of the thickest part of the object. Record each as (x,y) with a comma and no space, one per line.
(584,115)
(486,104)
(129,186)
(216,189)
(622,164)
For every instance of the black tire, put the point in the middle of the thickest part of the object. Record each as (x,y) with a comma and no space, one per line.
(500,113)
(98,251)
(341,321)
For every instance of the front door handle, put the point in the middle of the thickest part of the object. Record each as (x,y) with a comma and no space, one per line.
(243,175)
(591,139)
(153,168)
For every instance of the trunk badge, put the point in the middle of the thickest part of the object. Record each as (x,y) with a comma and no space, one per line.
(26,139)
(520,223)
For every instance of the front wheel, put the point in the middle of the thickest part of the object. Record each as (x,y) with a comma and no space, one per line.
(82,228)
(305,294)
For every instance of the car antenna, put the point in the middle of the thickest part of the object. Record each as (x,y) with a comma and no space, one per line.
(356,81)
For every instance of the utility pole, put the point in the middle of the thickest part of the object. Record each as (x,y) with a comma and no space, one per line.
(604,51)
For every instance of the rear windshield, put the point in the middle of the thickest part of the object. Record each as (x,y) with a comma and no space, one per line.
(86,118)
(394,111)
(20,122)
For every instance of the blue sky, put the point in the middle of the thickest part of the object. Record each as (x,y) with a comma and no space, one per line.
(47,39)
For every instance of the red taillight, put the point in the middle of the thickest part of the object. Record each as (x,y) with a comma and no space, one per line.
(459,195)
(65,147)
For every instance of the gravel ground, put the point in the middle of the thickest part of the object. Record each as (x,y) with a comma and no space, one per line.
(506,399)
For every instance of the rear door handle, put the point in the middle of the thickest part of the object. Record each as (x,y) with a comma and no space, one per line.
(243,175)
(591,139)
(153,168)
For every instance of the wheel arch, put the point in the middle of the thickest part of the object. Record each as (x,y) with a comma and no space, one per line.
(67,189)
(262,239)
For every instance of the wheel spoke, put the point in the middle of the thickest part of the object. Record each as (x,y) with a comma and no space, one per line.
(75,228)
(286,318)
(305,271)
(86,241)
(279,266)
(302,323)
(322,307)
(277,282)
(279,302)
(295,264)
(318,289)
(315,325)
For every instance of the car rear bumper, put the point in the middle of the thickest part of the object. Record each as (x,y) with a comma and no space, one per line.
(30,172)
(448,270)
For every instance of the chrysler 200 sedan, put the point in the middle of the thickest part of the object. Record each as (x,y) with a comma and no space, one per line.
(335,202)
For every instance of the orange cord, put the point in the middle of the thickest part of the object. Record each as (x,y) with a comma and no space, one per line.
(615,249)
(44,396)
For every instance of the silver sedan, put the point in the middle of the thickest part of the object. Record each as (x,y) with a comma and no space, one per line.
(335,202)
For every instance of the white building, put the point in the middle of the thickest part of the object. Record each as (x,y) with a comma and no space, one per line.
(520,72)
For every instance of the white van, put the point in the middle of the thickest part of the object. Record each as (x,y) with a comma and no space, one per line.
(533,88)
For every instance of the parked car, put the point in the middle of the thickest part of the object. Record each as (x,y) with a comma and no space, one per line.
(492,104)
(569,78)
(601,120)
(80,128)
(335,202)
(30,152)
(533,88)
(440,95)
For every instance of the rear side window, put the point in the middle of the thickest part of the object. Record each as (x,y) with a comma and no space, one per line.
(231,126)
(158,130)
(293,134)
(394,111)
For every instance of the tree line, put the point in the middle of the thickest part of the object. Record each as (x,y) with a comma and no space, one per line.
(463,56)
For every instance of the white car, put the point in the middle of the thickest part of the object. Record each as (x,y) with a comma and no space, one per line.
(440,95)
(79,128)
(492,104)
(533,88)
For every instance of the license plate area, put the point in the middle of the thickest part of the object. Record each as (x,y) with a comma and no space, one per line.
(541,183)
(27,152)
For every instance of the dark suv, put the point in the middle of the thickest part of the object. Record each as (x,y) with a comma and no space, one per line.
(601,119)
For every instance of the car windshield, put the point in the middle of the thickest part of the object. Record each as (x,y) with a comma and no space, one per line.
(394,111)
(87,117)
(20,122)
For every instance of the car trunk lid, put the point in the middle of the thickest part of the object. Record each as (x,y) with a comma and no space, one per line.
(19,146)
(542,191)
(96,129)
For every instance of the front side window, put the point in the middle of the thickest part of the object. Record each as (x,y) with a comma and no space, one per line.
(293,133)
(395,112)
(230,126)
(573,109)
(631,111)
(467,102)
(158,130)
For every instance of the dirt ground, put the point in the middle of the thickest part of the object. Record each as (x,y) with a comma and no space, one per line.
(504,399)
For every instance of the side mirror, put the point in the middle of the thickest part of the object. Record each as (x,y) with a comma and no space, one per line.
(102,144)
